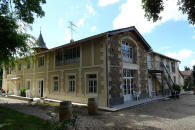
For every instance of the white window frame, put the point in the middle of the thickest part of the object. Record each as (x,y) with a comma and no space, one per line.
(71,84)
(38,86)
(93,81)
(129,77)
(53,83)
(28,86)
(128,54)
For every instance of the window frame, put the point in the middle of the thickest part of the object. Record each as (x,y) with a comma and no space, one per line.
(28,84)
(72,81)
(173,67)
(53,83)
(61,59)
(41,63)
(71,55)
(167,65)
(127,51)
(94,84)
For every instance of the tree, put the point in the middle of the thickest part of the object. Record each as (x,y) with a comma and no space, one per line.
(14,42)
(186,68)
(154,7)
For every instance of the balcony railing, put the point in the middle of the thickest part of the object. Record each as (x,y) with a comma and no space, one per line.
(160,67)
(155,65)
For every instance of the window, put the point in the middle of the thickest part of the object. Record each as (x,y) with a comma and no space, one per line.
(167,65)
(28,84)
(161,64)
(128,81)
(71,83)
(72,55)
(55,83)
(173,67)
(127,52)
(29,65)
(174,78)
(41,61)
(92,83)
(59,58)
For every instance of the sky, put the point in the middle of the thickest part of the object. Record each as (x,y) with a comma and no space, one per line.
(172,35)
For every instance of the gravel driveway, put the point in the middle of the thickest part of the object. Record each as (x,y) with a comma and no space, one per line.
(162,115)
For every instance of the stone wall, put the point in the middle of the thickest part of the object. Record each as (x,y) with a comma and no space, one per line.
(115,67)
(115,71)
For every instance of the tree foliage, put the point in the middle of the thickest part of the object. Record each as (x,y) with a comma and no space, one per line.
(153,9)
(186,68)
(12,40)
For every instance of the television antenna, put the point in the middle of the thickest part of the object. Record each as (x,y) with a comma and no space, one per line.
(71,27)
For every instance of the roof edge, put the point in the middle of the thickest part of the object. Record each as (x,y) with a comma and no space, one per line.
(165,56)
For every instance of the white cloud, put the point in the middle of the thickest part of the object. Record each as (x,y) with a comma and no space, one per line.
(60,22)
(132,14)
(67,36)
(91,10)
(93,28)
(107,2)
(181,55)
(81,22)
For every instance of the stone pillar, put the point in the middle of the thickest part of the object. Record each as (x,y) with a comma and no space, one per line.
(92,106)
(65,110)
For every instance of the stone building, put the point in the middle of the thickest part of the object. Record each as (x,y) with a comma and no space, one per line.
(114,67)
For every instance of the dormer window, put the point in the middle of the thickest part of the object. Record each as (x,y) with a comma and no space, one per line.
(127,52)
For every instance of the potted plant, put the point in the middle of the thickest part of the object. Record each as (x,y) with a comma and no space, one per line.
(23,92)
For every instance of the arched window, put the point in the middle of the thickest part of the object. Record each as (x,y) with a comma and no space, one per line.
(127,52)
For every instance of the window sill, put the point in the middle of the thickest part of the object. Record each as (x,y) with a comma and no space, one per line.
(92,94)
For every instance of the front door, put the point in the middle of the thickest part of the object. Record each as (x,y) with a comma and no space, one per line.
(150,86)
(40,88)
(127,88)
(127,84)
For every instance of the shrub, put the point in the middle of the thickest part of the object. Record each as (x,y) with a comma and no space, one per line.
(188,86)
(23,92)
(177,88)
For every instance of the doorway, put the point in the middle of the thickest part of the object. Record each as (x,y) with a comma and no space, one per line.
(127,84)
(150,86)
(40,87)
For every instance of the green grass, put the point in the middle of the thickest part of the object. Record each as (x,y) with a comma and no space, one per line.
(13,120)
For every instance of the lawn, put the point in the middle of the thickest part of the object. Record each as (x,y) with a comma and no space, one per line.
(13,120)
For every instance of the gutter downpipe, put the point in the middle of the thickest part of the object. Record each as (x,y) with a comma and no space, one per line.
(108,104)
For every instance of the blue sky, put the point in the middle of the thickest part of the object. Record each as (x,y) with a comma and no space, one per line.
(172,36)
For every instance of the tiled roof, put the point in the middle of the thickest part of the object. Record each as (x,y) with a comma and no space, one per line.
(187,72)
